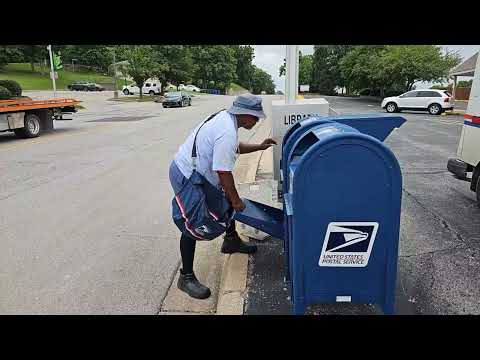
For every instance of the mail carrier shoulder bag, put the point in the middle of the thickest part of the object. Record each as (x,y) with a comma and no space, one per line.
(200,210)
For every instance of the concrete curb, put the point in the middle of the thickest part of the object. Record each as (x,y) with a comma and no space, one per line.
(233,283)
(454,112)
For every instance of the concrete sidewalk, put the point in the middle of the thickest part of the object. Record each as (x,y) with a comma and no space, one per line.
(225,275)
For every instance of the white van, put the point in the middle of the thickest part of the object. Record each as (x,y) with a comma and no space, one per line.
(150,86)
(468,153)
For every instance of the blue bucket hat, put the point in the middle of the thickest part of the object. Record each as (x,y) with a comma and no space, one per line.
(248,104)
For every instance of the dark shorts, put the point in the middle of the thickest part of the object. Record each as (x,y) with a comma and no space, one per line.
(176,177)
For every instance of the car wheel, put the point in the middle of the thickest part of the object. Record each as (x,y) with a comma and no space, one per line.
(31,128)
(478,191)
(190,102)
(391,107)
(126,92)
(434,109)
(151,93)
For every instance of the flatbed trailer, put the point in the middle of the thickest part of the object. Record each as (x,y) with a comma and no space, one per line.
(29,118)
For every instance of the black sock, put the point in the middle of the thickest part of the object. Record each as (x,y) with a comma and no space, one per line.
(187,250)
(231,229)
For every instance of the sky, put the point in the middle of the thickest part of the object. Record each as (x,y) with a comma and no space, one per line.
(270,58)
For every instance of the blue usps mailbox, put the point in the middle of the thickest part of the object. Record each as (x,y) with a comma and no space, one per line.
(376,125)
(342,198)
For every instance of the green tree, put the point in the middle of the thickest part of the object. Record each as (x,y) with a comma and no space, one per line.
(326,70)
(244,69)
(305,69)
(33,53)
(96,56)
(322,80)
(359,68)
(9,54)
(215,64)
(336,54)
(390,68)
(140,63)
(172,64)
(262,81)
(408,64)
(465,83)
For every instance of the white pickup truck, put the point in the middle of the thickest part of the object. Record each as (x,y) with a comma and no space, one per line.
(150,87)
(468,153)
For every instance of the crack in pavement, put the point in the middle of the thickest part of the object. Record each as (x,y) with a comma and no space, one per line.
(425,172)
(437,217)
(456,247)
(172,278)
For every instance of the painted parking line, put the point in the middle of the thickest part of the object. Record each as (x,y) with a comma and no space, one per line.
(447,122)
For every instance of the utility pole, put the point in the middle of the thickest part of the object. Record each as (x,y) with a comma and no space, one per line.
(291,78)
(115,92)
(52,73)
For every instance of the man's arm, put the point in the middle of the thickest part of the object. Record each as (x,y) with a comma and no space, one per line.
(245,148)
(228,185)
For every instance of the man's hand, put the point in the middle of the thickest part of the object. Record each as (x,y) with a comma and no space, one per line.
(245,148)
(228,185)
(267,143)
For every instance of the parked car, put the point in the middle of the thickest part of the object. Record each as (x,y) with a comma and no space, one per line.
(177,98)
(151,87)
(85,85)
(192,88)
(433,101)
(171,87)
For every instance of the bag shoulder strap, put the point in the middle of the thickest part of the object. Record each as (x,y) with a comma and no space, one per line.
(194,147)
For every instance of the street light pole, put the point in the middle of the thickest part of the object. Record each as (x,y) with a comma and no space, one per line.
(52,73)
(115,93)
(291,78)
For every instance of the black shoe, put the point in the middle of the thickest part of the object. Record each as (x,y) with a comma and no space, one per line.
(233,244)
(188,283)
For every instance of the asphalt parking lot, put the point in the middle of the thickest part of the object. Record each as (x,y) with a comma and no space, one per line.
(85,209)
(439,253)
(86,224)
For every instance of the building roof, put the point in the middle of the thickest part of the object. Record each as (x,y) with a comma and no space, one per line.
(467,68)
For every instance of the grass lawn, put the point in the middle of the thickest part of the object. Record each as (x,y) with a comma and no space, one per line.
(236,87)
(146,97)
(134,98)
(21,72)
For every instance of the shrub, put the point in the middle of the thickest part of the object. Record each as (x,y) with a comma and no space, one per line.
(364,92)
(5,94)
(439,87)
(393,92)
(12,86)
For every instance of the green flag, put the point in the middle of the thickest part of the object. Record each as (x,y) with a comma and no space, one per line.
(57,62)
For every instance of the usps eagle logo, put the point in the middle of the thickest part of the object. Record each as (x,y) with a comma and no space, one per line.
(202,230)
(348,244)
